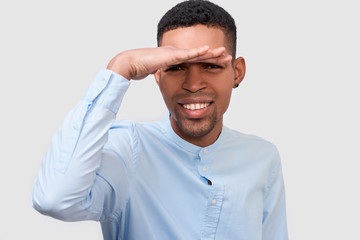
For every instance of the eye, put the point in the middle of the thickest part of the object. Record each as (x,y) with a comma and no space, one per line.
(173,68)
(212,66)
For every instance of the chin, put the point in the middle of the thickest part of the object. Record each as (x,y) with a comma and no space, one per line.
(196,127)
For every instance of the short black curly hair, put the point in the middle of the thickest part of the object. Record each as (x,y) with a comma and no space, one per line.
(192,12)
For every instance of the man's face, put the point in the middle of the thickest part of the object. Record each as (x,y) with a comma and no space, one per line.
(198,94)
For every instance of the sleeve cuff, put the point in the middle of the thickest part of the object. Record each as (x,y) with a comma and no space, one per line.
(107,90)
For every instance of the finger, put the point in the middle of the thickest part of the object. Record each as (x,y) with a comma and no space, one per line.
(183,55)
(211,59)
(210,53)
(223,59)
(217,53)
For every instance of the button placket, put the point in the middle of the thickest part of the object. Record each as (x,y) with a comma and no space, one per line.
(213,211)
(204,166)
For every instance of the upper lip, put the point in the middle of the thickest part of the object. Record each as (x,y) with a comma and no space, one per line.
(193,100)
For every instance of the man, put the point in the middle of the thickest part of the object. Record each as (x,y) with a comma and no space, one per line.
(184,177)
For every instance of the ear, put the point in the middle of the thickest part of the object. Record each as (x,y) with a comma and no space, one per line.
(157,76)
(240,69)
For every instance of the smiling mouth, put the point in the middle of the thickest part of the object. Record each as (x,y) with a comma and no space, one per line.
(196,106)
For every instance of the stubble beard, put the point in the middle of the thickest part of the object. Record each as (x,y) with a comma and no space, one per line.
(195,127)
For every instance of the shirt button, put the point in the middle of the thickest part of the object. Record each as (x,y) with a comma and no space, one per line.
(213,202)
(204,168)
(206,151)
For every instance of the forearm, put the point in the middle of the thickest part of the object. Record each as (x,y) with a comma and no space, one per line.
(68,171)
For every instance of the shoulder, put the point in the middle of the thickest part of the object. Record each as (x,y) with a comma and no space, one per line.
(126,138)
(234,137)
(119,125)
(127,129)
(248,145)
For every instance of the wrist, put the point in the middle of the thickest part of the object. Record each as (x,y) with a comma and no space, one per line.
(120,65)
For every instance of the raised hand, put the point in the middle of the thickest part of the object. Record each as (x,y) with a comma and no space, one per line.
(139,63)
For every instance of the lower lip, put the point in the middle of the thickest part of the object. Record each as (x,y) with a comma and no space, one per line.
(195,114)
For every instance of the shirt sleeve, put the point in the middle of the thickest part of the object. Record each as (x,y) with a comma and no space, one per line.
(274,213)
(65,185)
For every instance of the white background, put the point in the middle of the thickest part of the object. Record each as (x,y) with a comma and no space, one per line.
(301,92)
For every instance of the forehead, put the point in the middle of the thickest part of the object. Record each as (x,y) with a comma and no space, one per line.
(194,36)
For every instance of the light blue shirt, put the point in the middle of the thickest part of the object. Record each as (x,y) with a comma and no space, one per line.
(142,181)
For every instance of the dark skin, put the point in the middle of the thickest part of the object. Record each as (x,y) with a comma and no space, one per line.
(195,74)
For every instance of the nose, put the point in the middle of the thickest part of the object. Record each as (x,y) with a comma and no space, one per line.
(194,80)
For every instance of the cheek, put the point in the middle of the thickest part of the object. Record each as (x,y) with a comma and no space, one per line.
(224,96)
(225,100)
(167,92)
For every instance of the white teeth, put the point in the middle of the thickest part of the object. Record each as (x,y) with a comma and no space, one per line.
(196,106)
